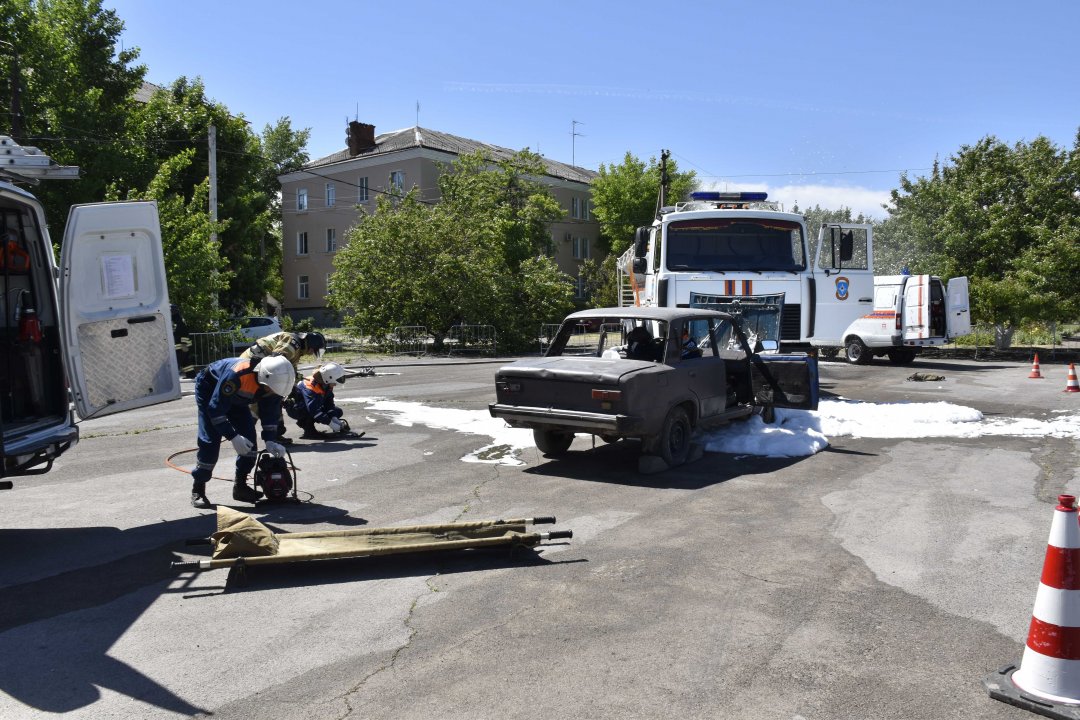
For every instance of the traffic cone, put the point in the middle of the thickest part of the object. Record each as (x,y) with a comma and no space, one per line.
(1071,385)
(1048,681)
(1035,369)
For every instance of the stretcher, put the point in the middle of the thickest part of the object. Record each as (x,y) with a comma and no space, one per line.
(241,540)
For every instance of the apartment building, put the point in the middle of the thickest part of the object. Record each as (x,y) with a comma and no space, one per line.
(322,200)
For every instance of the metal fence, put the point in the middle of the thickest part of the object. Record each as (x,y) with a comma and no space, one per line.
(412,340)
(204,348)
(471,340)
(1046,340)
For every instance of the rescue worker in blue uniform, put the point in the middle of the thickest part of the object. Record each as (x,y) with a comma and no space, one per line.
(224,390)
(312,400)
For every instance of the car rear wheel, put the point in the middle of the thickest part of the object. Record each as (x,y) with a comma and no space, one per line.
(857,352)
(675,438)
(609,439)
(552,442)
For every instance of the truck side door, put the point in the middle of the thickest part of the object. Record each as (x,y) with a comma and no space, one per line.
(844,271)
(114,306)
(915,314)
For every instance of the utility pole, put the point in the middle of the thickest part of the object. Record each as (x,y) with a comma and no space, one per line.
(574,134)
(212,139)
(664,179)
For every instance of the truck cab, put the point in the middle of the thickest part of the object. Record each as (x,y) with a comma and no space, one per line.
(723,248)
(90,336)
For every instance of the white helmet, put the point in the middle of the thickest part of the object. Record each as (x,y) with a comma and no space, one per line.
(332,373)
(276,373)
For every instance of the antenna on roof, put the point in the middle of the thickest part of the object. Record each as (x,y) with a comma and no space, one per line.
(574,134)
(417,113)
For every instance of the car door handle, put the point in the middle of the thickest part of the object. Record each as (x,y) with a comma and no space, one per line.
(866,299)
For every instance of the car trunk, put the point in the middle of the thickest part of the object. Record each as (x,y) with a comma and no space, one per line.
(563,382)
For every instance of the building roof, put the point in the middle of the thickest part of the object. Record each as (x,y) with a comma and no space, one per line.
(418,137)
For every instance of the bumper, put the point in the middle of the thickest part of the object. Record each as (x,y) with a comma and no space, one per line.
(535,417)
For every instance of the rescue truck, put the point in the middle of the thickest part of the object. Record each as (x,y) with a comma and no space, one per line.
(911,312)
(91,336)
(733,251)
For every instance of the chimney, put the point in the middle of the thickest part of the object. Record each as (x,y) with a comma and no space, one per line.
(360,137)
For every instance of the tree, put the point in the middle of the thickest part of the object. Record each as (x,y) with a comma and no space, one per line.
(196,271)
(472,258)
(1007,218)
(624,198)
(74,89)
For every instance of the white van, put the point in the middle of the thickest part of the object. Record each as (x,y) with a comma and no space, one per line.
(910,312)
(94,332)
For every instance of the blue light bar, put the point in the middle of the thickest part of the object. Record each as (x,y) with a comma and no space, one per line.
(715,195)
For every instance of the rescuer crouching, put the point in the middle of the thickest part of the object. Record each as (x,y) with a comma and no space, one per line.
(224,390)
(312,401)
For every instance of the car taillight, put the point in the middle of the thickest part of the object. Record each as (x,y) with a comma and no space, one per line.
(897,321)
(607,395)
(508,387)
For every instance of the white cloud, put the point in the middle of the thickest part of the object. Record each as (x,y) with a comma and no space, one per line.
(831,197)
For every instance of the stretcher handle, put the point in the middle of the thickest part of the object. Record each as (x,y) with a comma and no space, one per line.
(185,565)
(544,520)
(198,541)
(558,535)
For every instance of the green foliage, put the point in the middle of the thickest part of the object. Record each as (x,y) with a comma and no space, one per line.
(470,259)
(74,88)
(195,269)
(1007,218)
(601,282)
(624,197)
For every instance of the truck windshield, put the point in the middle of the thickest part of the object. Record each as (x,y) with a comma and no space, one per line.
(723,244)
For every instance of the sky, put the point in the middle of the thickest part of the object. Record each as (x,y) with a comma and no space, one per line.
(818,103)
(796,433)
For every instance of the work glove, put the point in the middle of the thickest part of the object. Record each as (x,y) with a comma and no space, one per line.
(275,449)
(243,445)
(335,425)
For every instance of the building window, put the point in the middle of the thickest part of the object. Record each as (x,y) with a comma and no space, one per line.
(331,195)
(361,190)
(397,180)
(585,248)
(302,285)
(331,240)
(301,199)
(301,243)
(574,209)
(579,287)
(586,210)
(577,247)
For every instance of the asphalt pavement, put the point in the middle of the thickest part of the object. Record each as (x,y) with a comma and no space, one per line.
(880,578)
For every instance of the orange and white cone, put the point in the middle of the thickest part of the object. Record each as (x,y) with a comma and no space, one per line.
(1050,667)
(1071,385)
(1035,369)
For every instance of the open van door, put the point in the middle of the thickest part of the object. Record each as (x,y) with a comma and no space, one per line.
(959,316)
(916,310)
(114,303)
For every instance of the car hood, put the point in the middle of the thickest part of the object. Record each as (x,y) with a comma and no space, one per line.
(579,369)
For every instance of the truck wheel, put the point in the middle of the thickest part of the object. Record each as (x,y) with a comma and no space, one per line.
(552,443)
(901,357)
(857,352)
(675,437)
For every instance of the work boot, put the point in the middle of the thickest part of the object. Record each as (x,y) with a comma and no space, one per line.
(242,492)
(309,431)
(281,437)
(198,497)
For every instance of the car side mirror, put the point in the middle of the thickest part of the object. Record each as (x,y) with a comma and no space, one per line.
(639,265)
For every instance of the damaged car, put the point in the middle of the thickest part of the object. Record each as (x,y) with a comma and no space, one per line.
(652,374)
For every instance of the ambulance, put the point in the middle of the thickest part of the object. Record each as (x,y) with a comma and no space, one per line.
(911,312)
(91,336)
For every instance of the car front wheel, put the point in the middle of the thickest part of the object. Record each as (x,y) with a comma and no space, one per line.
(675,438)
(552,442)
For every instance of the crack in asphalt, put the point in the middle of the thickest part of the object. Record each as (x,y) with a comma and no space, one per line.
(346,697)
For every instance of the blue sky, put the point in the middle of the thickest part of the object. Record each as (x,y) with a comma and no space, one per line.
(818,102)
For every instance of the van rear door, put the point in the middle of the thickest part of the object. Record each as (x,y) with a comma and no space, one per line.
(959,315)
(916,310)
(114,304)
